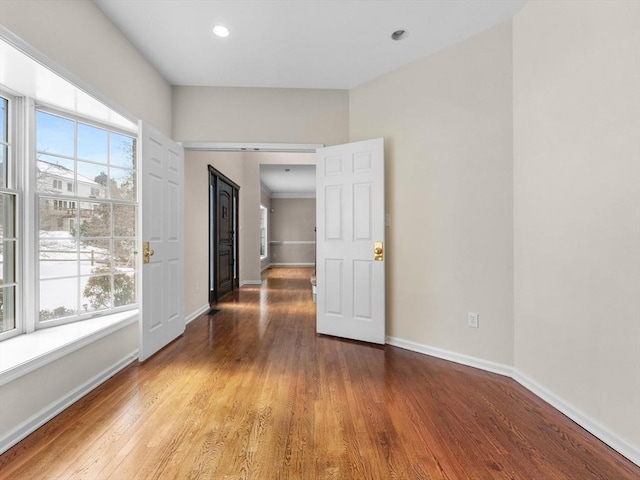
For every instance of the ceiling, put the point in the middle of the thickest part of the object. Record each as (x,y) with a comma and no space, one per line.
(296,43)
(335,44)
(298,182)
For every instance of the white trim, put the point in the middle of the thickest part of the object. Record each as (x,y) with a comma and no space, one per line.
(619,444)
(467,360)
(23,354)
(292,264)
(190,318)
(252,147)
(13,436)
(265,267)
(250,282)
(292,242)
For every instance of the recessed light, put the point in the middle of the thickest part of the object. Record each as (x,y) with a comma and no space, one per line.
(221,31)
(399,34)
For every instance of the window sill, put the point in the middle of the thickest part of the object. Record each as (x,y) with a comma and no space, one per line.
(26,353)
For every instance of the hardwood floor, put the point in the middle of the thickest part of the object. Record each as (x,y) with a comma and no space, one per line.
(253,393)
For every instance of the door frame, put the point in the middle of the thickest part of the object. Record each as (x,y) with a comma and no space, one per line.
(214,176)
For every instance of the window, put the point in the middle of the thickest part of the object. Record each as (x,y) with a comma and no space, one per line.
(87,234)
(8,225)
(263,232)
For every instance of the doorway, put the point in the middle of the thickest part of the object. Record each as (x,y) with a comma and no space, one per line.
(223,238)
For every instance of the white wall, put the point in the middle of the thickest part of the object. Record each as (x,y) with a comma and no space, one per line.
(293,220)
(447,125)
(577,208)
(261,115)
(79,37)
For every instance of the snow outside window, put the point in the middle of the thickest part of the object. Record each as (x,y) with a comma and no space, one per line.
(87,232)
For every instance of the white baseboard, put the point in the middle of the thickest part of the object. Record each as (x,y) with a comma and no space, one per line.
(266,267)
(469,361)
(10,438)
(620,445)
(250,282)
(190,318)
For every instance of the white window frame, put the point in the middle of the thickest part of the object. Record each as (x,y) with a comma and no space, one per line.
(14,164)
(35,322)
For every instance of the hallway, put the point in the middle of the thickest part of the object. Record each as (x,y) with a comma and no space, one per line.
(253,392)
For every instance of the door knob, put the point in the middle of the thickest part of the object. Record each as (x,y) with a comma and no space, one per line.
(147,252)
(378,251)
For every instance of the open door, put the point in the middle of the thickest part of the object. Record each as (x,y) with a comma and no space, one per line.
(350,241)
(161,231)
(223,238)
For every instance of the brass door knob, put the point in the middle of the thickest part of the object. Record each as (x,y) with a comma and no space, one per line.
(377,251)
(147,252)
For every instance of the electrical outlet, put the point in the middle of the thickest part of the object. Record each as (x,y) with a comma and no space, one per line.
(474,320)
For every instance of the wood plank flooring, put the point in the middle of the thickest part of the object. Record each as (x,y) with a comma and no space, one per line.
(253,393)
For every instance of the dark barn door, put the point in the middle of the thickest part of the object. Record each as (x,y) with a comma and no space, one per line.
(223,241)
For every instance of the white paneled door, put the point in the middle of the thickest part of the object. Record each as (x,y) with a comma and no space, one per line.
(350,241)
(161,225)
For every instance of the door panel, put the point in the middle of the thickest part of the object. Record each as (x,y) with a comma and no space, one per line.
(350,213)
(161,224)
(223,241)
(225,238)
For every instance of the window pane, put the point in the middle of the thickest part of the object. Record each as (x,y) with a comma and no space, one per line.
(4,112)
(58,298)
(7,215)
(55,135)
(53,172)
(123,184)
(58,255)
(124,220)
(7,261)
(58,217)
(124,289)
(95,219)
(92,180)
(7,308)
(123,151)
(96,292)
(92,143)
(3,165)
(95,256)
(123,256)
